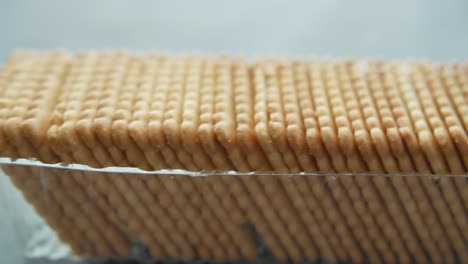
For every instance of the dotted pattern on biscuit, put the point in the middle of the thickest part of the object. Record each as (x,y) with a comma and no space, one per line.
(409,189)
(200,113)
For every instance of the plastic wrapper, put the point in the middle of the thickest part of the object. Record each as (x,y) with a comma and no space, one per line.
(77,214)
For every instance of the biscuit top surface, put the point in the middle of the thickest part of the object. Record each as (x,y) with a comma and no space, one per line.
(156,111)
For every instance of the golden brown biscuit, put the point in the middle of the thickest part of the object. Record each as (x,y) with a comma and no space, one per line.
(244,114)
(427,143)
(358,109)
(261,118)
(206,128)
(191,115)
(400,183)
(343,195)
(424,221)
(154,111)
(292,116)
(148,100)
(411,139)
(223,115)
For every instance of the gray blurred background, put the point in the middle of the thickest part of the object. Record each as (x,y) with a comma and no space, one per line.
(396,29)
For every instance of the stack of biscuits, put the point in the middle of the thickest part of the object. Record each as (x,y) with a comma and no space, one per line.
(338,160)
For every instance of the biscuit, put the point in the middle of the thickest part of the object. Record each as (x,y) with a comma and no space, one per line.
(244,113)
(26,108)
(340,106)
(355,106)
(172,114)
(46,77)
(253,193)
(292,116)
(261,117)
(322,125)
(224,120)
(273,189)
(389,165)
(311,123)
(325,117)
(294,85)
(191,116)
(425,137)
(404,164)
(49,209)
(156,137)
(206,128)
(146,99)
(276,115)
(439,131)
(446,121)
(427,182)
(277,128)
(344,196)
(436,105)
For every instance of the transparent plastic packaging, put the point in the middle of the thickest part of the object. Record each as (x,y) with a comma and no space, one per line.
(69,213)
